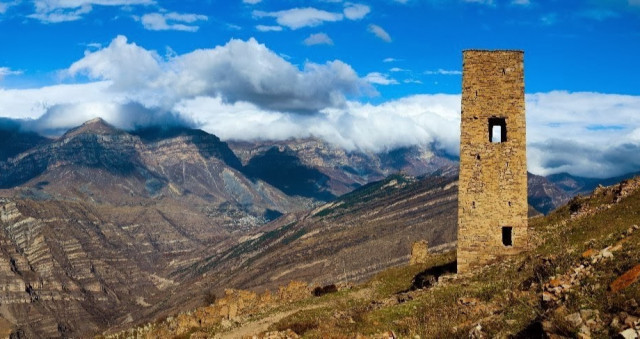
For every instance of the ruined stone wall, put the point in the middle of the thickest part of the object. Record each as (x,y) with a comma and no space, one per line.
(493,176)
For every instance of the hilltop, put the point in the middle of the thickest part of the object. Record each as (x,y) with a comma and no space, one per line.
(580,279)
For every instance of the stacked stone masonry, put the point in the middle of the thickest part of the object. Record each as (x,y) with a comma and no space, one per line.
(492,199)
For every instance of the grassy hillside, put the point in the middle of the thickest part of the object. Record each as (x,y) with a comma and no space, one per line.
(578,280)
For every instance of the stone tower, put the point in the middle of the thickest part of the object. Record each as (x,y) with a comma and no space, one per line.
(492,197)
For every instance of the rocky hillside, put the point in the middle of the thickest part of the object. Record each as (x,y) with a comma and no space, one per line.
(94,222)
(99,163)
(314,168)
(349,239)
(332,169)
(580,279)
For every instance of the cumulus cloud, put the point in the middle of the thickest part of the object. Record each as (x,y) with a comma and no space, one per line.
(244,91)
(379,32)
(252,2)
(55,11)
(421,119)
(171,21)
(129,116)
(380,79)
(296,18)
(264,28)
(356,11)
(238,71)
(318,39)
(588,134)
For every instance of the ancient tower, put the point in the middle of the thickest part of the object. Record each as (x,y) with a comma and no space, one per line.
(492,197)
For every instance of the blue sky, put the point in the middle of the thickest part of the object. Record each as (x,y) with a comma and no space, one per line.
(345,71)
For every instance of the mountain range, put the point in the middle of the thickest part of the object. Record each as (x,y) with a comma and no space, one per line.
(102,227)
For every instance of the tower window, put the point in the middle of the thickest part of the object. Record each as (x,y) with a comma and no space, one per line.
(497,130)
(507,239)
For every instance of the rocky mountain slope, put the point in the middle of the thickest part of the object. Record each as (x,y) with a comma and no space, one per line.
(94,222)
(332,169)
(580,279)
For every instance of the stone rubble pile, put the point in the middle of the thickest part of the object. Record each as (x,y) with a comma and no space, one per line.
(225,312)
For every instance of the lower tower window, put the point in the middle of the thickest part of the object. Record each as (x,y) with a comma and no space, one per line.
(507,232)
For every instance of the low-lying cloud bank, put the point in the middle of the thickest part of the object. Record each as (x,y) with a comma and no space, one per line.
(245,91)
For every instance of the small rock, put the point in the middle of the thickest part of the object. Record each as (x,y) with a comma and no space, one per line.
(467,301)
(574,319)
(630,321)
(589,253)
(555,282)
(476,333)
(585,332)
(592,324)
(615,323)
(635,227)
(606,254)
(547,297)
(587,314)
(388,335)
(628,278)
(629,333)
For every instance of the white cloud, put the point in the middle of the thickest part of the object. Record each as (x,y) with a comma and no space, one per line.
(356,11)
(412,81)
(441,71)
(237,71)
(263,28)
(252,2)
(588,134)
(390,60)
(397,69)
(380,32)
(420,119)
(171,21)
(380,79)
(243,90)
(521,2)
(296,18)
(5,5)
(4,71)
(55,11)
(318,39)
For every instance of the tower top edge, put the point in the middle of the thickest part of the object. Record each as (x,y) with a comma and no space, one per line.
(472,50)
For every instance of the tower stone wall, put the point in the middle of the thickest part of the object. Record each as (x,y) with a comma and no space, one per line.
(492,197)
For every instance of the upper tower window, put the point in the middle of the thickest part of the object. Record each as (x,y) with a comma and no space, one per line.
(497,130)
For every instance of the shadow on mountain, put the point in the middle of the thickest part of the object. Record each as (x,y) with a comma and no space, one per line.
(285,171)
(15,141)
